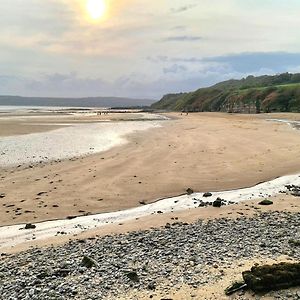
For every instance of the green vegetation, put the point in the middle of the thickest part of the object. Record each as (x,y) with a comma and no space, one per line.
(278,93)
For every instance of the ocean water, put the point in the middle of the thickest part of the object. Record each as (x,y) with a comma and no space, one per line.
(73,141)
(16,108)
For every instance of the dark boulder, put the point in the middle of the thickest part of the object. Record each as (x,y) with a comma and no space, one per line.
(133,276)
(88,262)
(206,195)
(189,191)
(272,277)
(217,203)
(30,226)
(266,202)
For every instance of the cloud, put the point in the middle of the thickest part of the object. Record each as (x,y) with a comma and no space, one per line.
(174,74)
(183,38)
(174,69)
(183,8)
(251,62)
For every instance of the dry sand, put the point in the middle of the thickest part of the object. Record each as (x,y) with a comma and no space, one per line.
(205,151)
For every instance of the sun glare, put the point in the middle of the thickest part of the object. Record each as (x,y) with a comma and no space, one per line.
(96,8)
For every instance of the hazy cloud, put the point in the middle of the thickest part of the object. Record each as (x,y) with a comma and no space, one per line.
(251,62)
(183,38)
(50,47)
(183,8)
(174,69)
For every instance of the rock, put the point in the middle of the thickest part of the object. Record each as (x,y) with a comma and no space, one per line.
(132,275)
(296,194)
(88,262)
(272,277)
(42,275)
(236,286)
(142,202)
(151,286)
(30,226)
(2,195)
(41,193)
(71,217)
(295,243)
(161,258)
(189,191)
(62,272)
(206,195)
(217,203)
(266,202)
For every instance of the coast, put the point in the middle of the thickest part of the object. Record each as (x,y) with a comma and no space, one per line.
(171,247)
(205,152)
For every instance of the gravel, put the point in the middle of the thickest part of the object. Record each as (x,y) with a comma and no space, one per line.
(147,260)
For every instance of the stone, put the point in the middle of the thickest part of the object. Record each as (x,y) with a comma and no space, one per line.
(151,286)
(295,243)
(133,276)
(189,191)
(217,203)
(236,286)
(265,202)
(296,194)
(30,226)
(41,193)
(206,195)
(88,262)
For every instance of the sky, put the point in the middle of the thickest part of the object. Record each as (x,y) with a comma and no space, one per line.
(142,48)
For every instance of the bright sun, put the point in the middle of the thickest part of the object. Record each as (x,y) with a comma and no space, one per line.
(96,8)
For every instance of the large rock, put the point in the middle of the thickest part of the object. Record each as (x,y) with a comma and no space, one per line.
(88,262)
(189,191)
(206,195)
(217,203)
(30,226)
(133,276)
(265,202)
(273,277)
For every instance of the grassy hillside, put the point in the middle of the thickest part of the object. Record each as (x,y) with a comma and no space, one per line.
(248,95)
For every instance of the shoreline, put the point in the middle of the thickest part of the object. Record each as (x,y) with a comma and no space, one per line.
(177,248)
(14,235)
(122,177)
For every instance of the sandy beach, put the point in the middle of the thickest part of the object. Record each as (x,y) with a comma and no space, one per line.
(205,152)
(235,157)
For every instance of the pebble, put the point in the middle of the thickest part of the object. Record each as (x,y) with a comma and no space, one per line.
(161,258)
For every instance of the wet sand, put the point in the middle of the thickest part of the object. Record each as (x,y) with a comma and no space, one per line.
(205,151)
(19,124)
